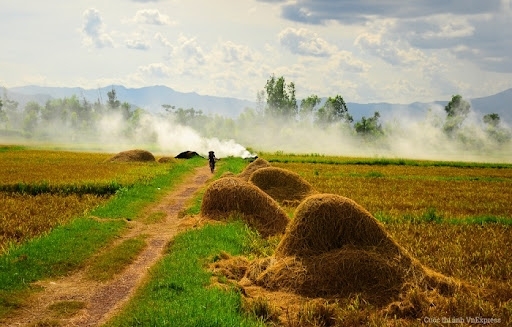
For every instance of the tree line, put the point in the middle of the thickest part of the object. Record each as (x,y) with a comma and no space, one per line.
(276,102)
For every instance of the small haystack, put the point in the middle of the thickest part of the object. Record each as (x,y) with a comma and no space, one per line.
(281,184)
(166,160)
(187,155)
(326,222)
(231,195)
(252,167)
(133,155)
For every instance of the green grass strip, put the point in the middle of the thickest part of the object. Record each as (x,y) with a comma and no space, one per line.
(178,293)
(336,160)
(64,249)
(431,217)
(107,188)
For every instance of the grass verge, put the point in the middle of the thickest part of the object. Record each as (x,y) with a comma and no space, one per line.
(179,291)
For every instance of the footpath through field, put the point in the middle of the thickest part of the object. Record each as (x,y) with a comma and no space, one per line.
(102,300)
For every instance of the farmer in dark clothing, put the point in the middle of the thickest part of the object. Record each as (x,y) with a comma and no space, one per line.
(212,159)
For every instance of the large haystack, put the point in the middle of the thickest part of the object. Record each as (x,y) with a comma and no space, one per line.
(281,184)
(338,273)
(232,195)
(252,167)
(334,248)
(326,222)
(133,155)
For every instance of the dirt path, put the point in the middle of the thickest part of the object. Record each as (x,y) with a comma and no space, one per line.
(103,300)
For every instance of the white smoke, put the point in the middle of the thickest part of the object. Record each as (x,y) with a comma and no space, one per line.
(407,134)
(164,135)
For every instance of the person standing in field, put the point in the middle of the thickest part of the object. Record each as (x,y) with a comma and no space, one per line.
(212,159)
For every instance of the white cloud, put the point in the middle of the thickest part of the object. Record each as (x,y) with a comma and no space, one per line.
(378,41)
(93,30)
(305,42)
(137,43)
(347,62)
(191,50)
(152,17)
(232,52)
(159,70)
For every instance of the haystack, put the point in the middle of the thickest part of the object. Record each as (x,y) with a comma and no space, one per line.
(133,155)
(166,160)
(334,248)
(326,222)
(252,167)
(231,195)
(281,184)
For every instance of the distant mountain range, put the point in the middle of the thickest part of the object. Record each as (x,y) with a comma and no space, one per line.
(152,98)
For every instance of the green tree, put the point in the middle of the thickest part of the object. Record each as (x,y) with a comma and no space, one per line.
(494,129)
(113,102)
(3,115)
(14,117)
(369,126)
(308,106)
(31,116)
(456,110)
(333,111)
(125,110)
(492,120)
(281,101)
(260,101)
(188,117)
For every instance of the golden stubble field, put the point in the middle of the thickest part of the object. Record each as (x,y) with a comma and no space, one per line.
(40,189)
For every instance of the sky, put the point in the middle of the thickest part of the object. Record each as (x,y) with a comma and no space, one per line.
(364,50)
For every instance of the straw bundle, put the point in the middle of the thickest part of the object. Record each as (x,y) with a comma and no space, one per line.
(252,167)
(282,185)
(166,160)
(326,222)
(231,195)
(133,155)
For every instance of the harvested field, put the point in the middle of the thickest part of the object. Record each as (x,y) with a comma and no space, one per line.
(403,192)
(230,195)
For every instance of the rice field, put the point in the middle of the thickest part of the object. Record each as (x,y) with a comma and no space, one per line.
(40,189)
(406,192)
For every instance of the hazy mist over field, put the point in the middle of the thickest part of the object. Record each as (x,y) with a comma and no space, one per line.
(406,135)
